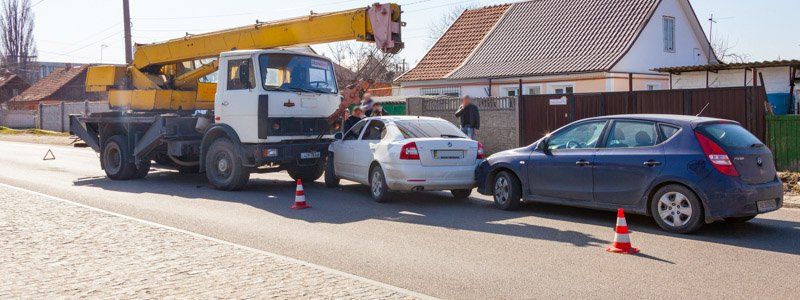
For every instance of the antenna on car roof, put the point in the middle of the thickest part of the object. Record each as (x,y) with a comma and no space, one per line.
(702,110)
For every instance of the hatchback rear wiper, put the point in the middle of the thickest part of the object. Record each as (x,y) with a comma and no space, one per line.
(451,136)
(757,145)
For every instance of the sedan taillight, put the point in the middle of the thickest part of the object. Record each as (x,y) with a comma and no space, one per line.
(718,157)
(481,153)
(409,151)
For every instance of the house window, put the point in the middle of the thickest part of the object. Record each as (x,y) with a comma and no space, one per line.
(509,91)
(563,89)
(534,90)
(669,34)
(652,86)
(452,91)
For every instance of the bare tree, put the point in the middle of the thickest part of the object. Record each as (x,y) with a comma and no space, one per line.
(439,26)
(17,47)
(725,51)
(364,61)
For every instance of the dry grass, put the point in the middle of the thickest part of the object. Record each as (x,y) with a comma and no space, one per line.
(6,130)
(791,182)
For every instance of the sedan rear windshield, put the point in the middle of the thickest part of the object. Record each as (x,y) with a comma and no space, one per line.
(428,128)
(729,135)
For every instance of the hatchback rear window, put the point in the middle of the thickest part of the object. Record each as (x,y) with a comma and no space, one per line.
(428,128)
(729,135)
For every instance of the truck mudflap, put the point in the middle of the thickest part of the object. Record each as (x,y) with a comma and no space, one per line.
(302,153)
(87,134)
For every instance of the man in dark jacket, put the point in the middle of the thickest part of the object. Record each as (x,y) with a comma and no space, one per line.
(358,114)
(470,117)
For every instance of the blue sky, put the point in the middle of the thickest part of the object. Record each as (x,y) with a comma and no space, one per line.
(77,30)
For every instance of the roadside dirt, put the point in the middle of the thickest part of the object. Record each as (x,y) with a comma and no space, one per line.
(59,139)
(791,182)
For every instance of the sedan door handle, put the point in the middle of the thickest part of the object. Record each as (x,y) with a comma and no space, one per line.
(651,163)
(582,163)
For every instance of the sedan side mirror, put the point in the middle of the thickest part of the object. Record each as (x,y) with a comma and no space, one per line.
(338,136)
(544,145)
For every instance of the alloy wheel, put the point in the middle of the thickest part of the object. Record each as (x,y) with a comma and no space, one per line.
(675,209)
(501,189)
(377,183)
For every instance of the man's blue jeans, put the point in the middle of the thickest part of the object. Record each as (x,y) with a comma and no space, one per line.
(469,131)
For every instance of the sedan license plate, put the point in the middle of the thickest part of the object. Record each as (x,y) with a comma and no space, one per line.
(309,155)
(448,154)
(767,205)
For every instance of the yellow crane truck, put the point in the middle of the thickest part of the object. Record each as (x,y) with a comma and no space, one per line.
(266,111)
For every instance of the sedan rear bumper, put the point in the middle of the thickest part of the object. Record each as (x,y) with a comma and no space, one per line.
(416,177)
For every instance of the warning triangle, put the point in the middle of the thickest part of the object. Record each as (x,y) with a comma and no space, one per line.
(50,154)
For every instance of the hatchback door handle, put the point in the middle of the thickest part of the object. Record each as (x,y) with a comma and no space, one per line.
(225,103)
(651,163)
(582,163)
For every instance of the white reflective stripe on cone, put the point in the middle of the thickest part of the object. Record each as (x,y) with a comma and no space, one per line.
(622,238)
(621,222)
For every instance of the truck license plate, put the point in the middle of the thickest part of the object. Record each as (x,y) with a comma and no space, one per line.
(766,205)
(309,155)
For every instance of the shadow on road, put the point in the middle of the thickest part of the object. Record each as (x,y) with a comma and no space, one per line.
(351,203)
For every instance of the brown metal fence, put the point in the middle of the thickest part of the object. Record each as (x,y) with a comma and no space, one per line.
(541,114)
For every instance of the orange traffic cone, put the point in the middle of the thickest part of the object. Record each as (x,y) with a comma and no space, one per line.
(622,242)
(300,197)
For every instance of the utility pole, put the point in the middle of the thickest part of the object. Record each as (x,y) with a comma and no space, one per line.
(711,22)
(126,15)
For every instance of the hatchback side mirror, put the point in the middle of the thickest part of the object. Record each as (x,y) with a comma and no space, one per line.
(338,136)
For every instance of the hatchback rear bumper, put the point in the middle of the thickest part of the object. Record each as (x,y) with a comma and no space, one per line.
(740,200)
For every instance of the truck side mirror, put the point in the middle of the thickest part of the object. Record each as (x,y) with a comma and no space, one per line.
(338,135)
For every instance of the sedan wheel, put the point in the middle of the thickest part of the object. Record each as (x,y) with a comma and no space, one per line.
(377,185)
(677,209)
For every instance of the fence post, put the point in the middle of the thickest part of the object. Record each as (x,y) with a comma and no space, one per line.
(571,103)
(41,122)
(521,119)
(62,116)
(687,102)
(602,105)
(85,108)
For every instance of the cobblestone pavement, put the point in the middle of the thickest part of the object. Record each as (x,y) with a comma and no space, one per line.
(50,248)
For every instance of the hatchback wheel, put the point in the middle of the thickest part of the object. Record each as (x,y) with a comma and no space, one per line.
(377,185)
(506,191)
(677,209)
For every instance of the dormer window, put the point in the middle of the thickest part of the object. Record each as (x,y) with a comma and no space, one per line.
(669,34)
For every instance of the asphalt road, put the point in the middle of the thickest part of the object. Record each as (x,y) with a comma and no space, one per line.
(433,244)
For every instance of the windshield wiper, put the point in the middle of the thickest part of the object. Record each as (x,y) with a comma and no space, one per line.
(299,89)
(274,88)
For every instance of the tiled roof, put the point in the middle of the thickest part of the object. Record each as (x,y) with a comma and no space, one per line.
(456,44)
(6,78)
(50,84)
(538,37)
(553,37)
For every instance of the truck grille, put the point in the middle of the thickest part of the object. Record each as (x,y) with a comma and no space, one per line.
(297,126)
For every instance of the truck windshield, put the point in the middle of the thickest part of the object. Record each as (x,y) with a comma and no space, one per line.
(297,73)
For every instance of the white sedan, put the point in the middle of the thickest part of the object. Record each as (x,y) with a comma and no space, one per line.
(404,153)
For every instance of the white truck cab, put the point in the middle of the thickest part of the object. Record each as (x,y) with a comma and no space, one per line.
(287,95)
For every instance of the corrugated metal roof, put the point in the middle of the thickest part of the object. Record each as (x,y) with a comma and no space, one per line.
(456,44)
(557,37)
(716,67)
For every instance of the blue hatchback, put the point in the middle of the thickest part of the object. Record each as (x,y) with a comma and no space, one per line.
(684,171)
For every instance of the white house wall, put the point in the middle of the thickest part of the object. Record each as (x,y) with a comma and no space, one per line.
(648,52)
(776,79)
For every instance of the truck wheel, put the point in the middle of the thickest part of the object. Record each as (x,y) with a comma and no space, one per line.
(331,180)
(306,174)
(143,169)
(116,159)
(224,168)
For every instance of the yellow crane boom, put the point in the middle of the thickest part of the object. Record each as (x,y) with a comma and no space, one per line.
(165,75)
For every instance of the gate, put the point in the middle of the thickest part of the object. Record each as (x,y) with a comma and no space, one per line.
(541,114)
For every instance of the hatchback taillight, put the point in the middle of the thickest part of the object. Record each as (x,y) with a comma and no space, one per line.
(409,151)
(481,153)
(718,157)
